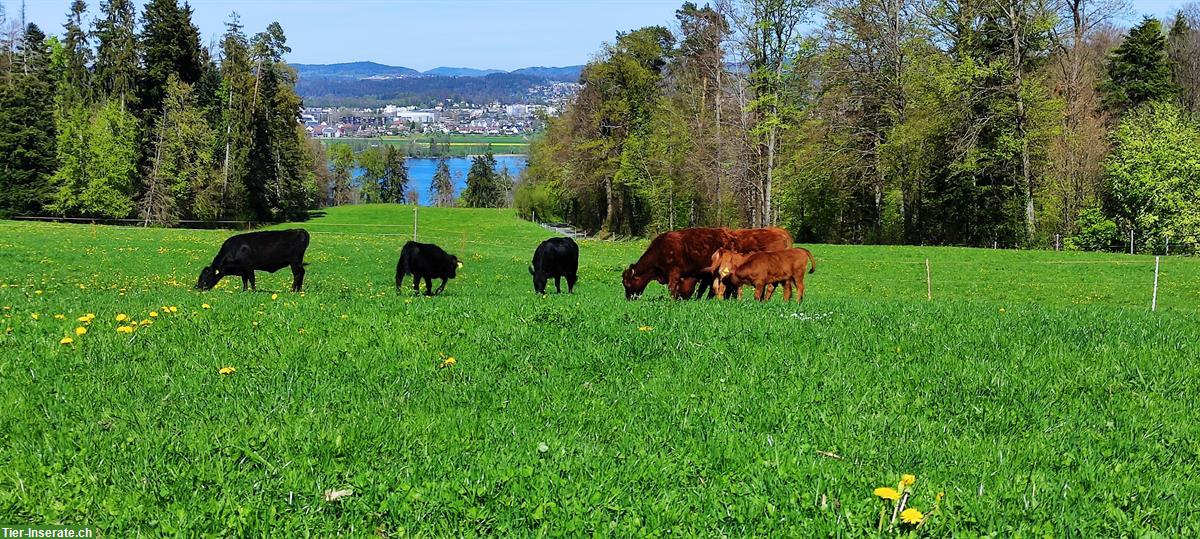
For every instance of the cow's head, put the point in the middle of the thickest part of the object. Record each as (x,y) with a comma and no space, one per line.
(635,283)
(209,277)
(539,280)
(726,262)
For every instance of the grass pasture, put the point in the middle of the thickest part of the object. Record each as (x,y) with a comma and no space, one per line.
(1036,390)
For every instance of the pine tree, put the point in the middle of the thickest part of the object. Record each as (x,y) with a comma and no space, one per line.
(170,44)
(442,186)
(395,176)
(1139,70)
(483,184)
(26,124)
(116,70)
(76,84)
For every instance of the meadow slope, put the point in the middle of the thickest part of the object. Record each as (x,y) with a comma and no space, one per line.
(1036,390)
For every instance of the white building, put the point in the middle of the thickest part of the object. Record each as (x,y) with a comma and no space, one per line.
(418,116)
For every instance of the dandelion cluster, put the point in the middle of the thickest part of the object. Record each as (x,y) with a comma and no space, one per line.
(897,499)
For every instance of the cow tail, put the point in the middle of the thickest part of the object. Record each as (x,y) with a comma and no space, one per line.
(812,261)
(401,269)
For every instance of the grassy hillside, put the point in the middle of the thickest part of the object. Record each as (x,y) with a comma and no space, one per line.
(1036,391)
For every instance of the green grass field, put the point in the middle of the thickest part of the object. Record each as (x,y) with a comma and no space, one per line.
(1036,390)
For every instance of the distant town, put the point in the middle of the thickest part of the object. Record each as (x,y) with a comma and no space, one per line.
(447,117)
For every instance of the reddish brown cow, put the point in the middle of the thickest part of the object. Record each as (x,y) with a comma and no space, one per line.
(675,259)
(763,269)
(681,258)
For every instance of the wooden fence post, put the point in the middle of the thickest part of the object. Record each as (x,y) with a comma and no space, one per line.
(1154,298)
(928,283)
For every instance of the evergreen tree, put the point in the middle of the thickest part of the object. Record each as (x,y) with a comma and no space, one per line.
(483,184)
(342,159)
(442,186)
(395,176)
(116,70)
(170,45)
(1139,69)
(26,123)
(277,158)
(76,82)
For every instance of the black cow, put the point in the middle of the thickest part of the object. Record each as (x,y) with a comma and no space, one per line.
(557,258)
(426,261)
(270,251)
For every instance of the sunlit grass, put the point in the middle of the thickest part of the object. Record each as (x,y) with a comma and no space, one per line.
(1036,390)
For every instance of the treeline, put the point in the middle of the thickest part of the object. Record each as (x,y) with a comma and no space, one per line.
(971,122)
(417,91)
(130,117)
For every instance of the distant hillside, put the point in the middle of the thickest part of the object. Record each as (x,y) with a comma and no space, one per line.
(460,72)
(373,70)
(565,74)
(353,70)
(415,91)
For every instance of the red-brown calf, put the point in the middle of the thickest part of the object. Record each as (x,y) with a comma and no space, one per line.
(763,269)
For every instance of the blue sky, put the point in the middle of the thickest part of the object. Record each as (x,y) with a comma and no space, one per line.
(423,34)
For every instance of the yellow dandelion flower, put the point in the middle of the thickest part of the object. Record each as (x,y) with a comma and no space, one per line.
(34,316)
(206,306)
(448,362)
(146,322)
(227,370)
(940,495)
(66,340)
(153,314)
(83,319)
(908,479)
(645,328)
(60,317)
(125,329)
(122,317)
(274,297)
(174,309)
(80,330)
(911,516)
(887,493)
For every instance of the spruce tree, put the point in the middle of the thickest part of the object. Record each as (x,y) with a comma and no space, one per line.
(1139,70)
(442,186)
(116,69)
(395,176)
(26,124)
(170,45)
(483,186)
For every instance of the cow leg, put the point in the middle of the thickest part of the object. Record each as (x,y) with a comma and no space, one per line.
(253,284)
(799,289)
(787,290)
(571,283)
(673,283)
(297,277)
(428,286)
(245,282)
(416,284)
(558,284)
(760,291)
(704,288)
(441,287)
(768,291)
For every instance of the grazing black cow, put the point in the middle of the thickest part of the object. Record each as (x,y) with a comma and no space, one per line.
(426,261)
(270,251)
(557,258)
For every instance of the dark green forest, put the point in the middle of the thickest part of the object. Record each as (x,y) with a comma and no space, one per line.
(1014,123)
(130,117)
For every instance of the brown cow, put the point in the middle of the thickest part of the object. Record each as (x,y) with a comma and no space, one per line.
(763,269)
(681,258)
(675,259)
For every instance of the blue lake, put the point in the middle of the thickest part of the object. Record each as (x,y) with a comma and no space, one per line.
(420,173)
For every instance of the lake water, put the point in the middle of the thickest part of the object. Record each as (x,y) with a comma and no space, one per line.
(420,173)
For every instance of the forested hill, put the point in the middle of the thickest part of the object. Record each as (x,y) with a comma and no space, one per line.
(418,91)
